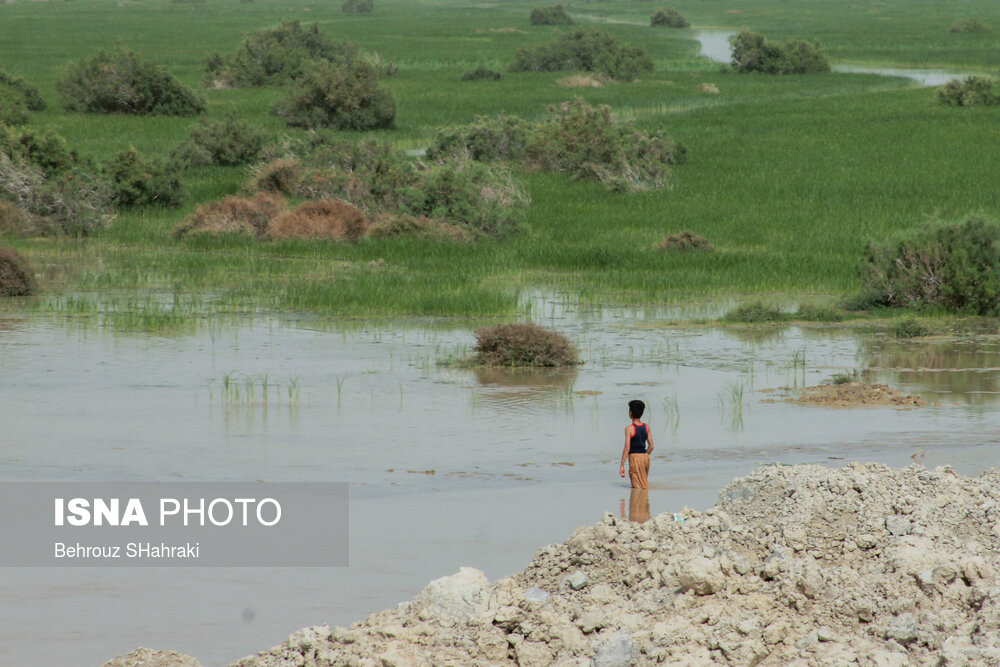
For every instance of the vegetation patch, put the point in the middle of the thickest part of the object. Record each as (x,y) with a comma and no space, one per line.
(234,215)
(139,181)
(686,241)
(121,82)
(416,227)
(974,91)
(668,18)
(523,345)
(951,266)
(910,328)
(756,312)
(16,276)
(331,219)
(970,26)
(227,142)
(579,139)
(552,15)
(13,110)
(708,89)
(357,6)
(815,313)
(481,73)
(342,96)
(33,100)
(582,81)
(752,52)
(584,49)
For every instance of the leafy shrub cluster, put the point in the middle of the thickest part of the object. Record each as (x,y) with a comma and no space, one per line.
(13,110)
(579,139)
(752,52)
(756,312)
(342,96)
(357,6)
(973,91)
(668,17)
(523,345)
(482,199)
(226,142)
(480,73)
(910,328)
(16,276)
(121,82)
(970,26)
(686,241)
(584,49)
(552,15)
(952,266)
(33,100)
(138,181)
(283,54)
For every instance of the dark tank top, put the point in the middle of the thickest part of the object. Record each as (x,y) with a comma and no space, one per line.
(637,445)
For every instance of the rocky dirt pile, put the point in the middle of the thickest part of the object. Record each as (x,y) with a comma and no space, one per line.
(849,395)
(796,565)
(145,657)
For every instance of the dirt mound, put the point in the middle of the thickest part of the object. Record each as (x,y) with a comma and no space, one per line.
(234,215)
(685,241)
(856,395)
(325,219)
(144,657)
(794,565)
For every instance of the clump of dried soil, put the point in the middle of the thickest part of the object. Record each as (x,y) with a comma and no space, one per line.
(855,395)
(796,565)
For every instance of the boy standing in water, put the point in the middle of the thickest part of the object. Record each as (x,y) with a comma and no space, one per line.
(637,436)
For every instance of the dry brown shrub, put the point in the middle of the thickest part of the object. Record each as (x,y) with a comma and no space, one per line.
(582,81)
(16,276)
(685,241)
(234,215)
(325,219)
(410,226)
(523,345)
(281,176)
(708,88)
(13,219)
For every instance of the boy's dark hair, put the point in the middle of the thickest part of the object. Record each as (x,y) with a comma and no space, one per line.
(636,407)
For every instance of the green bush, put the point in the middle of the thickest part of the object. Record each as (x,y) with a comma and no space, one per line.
(16,276)
(141,182)
(226,142)
(486,139)
(378,179)
(47,152)
(552,15)
(340,96)
(755,313)
(973,91)
(814,313)
(910,328)
(953,266)
(283,54)
(357,6)
(523,345)
(970,26)
(668,17)
(121,82)
(13,110)
(584,49)
(481,73)
(32,98)
(752,52)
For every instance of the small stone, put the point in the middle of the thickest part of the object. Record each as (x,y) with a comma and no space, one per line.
(825,635)
(898,525)
(536,594)
(577,580)
(701,575)
(592,620)
(903,629)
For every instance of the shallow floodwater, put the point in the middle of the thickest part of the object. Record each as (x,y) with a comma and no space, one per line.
(715,46)
(448,466)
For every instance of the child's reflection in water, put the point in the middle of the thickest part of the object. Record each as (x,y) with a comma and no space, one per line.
(638,506)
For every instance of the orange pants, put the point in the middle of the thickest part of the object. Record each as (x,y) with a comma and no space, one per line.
(638,470)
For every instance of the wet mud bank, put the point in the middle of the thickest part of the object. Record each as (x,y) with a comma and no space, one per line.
(865,565)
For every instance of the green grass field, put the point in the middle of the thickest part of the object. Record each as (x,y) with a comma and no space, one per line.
(789,177)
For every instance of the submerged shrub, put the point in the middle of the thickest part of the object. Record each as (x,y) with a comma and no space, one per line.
(755,313)
(332,219)
(752,52)
(953,266)
(342,97)
(814,313)
(226,142)
(973,91)
(552,15)
(234,215)
(669,17)
(16,276)
(523,345)
(481,73)
(686,241)
(121,82)
(584,49)
(970,26)
(138,181)
(909,328)
(357,6)
(32,98)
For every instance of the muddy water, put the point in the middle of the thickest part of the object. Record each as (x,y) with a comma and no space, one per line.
(448,466)
(715,46)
